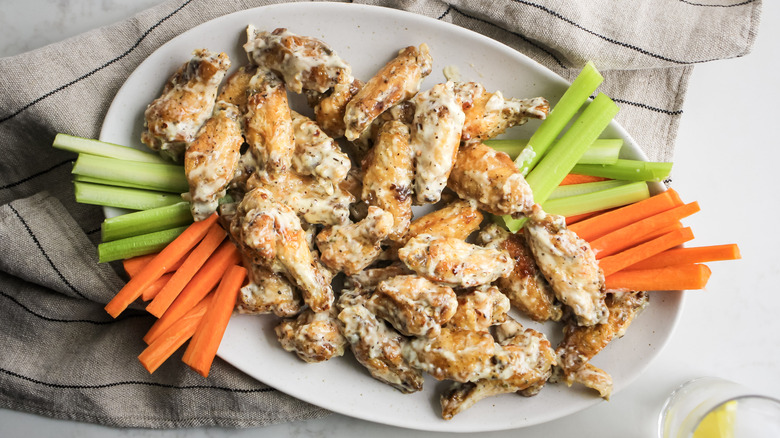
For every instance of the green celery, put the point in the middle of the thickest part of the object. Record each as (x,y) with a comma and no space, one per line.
(589,202)
(106,182)
(155,176)
(558,162)
(122,197)
(138,245)
(96,147)
(630,170)
(602,151)
(575,96)
(581,189)
(146,221)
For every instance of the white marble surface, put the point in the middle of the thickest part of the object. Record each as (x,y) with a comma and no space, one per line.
(727,156)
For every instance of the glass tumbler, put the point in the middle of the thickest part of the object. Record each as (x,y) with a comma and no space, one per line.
(710,407)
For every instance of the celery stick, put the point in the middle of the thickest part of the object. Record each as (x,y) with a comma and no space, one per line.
(575,96)
(630,170)
(137,245)
(146,221)
(121,197)
(549,173)
(602,151)
(106,182)
(96,147)
(600,200)
(156,176)
(581,189)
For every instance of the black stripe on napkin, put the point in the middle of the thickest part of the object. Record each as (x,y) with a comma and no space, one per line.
(717,6)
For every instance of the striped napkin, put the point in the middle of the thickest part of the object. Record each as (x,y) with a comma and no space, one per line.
(64,357)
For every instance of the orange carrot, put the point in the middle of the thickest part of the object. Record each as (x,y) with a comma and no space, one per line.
(580,217)
(689,255)
(134,265)
(680,277)
(597,226)
(174,337)
(203,347)
(621,260)
(201,284)
(157,267)
(616,241)
(574,178)
(634,240)
(188,269)
(150,292)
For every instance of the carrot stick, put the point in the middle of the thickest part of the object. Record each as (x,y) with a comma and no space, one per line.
(621,260)
(157,267)
(689,255)
(205,342)
(616,241)
(595,227)
(680,277)
(631,241)
(201,284)
(574,178)
(580,217)
(134,265)
(188,269)
(174,337)
(150,292)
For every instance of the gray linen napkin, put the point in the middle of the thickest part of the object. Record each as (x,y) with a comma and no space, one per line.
(64,357)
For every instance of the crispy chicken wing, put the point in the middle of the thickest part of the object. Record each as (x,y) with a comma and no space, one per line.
(304,62)
(413,305)
(491,179)
(268,123)
(581,344)
(454,262)
(521,362)
(376,345)
(457,219)
(235,90)
(389,169)
(455,354)
(480,308)
(396,81)
(317,154)
(329,108)
(490,114)
(172,120)
(210,161)
(316,201)
(268,292)
(314,337)
(351,248)
(368,279)
(435,138)
(525,287)
(569,265)
(270,233)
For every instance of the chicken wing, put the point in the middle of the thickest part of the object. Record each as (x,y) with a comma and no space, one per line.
(413,305)
(368,279)
(268,292)
(455,354)
(313,336)
(270,234)
(569,265)
(210,161)
(490,114)
(388,173)
(480,308)
(316,153)
(525,287)
(491,179)
(435,138)
(304,62)
(454,262)
(329,108)
(581,344)
(235,90)
(316,201)
(172,120)
(521,362)
(457,219)
(376,345)
(396,81)
(268,123)
(351,248)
